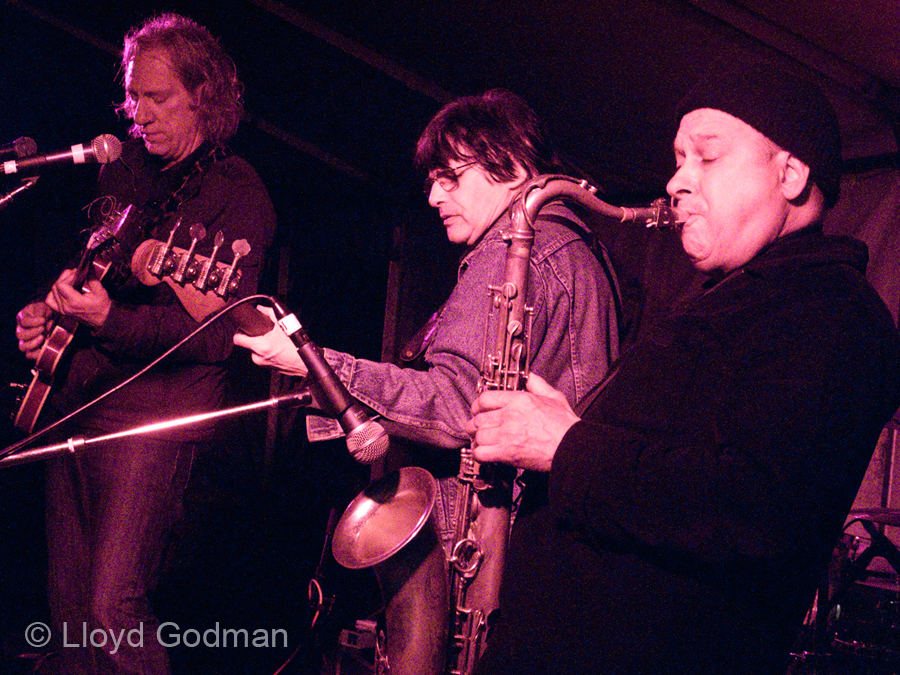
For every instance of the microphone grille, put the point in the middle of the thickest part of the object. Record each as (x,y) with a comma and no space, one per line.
(107,148)
(24,147)
(368,443)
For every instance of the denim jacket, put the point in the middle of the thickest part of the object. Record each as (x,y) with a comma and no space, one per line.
(574,336)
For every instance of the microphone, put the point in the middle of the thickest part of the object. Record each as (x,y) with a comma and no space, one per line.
(367,441)
(21,147)
(103,149)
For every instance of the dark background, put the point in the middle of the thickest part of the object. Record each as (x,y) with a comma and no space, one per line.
(337,94)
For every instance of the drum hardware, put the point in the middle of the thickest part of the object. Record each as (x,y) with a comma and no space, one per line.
(857,612)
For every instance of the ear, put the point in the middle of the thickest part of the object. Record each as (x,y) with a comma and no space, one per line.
(521,175)
(795,176)
(196,96)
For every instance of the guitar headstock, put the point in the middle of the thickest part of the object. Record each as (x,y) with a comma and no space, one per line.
(109,246)
(156,261)
(117,225)
(201,284)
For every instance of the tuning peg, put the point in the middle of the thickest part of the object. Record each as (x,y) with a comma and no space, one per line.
(230,280)
(197,233)
(158,263)
(203,279)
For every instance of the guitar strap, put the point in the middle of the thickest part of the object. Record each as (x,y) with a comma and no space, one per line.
(164,201)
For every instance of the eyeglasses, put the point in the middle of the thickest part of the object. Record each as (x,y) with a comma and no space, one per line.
(448,179)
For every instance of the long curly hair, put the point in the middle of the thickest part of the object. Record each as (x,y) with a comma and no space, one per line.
(200,63)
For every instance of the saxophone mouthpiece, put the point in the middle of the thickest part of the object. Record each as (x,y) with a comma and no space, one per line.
(659,215)
(680,215)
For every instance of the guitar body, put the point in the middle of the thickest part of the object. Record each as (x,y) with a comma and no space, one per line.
(92,266)
(32,403)
(51,354)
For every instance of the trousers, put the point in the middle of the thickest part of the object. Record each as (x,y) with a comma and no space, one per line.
(109,514)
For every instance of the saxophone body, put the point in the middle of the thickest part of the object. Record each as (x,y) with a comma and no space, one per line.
(482,516)
(464,589)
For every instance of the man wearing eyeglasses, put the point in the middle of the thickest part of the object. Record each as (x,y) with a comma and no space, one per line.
(467,213)
(477,153)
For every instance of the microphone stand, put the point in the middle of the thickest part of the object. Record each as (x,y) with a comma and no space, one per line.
(76,443)
(26,183)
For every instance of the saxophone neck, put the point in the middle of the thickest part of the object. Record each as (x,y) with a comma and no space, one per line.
(547,187)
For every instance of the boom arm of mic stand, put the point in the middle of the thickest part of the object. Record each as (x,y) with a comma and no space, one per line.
(76,443)
(26,183)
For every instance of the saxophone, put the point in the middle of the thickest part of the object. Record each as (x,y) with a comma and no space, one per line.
(482,519)
(441,624)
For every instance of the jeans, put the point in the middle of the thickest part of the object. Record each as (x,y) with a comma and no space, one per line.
(109,514)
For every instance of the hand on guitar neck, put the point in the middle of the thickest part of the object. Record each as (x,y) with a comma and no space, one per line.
(89,306)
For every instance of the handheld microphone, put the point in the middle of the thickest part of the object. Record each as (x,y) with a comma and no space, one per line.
(21,147)
(103,149)
(367,441)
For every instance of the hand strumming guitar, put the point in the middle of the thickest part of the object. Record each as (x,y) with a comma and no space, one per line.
(90,307)
(34,320)
(32,323)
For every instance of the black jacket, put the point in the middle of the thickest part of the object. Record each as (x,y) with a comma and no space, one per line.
(694,507)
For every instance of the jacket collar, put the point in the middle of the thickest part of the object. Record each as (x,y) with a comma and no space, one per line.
(806,248)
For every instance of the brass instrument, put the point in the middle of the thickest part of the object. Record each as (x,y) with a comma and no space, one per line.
(482,519)
(392,525)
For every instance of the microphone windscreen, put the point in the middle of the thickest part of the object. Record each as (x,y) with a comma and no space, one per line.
(25,146)
(107,148)
(368,443)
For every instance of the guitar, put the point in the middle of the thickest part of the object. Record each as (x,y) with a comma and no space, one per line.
(101,253)
(201,284)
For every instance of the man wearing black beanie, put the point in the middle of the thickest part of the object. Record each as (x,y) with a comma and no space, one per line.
(690,507)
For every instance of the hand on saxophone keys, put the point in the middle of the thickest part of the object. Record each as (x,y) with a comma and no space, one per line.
(520,428)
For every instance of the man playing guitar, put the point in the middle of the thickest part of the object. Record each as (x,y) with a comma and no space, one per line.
(109,510)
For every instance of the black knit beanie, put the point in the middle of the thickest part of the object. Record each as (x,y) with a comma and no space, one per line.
(789,111)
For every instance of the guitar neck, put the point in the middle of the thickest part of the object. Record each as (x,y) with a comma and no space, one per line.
(251,321)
